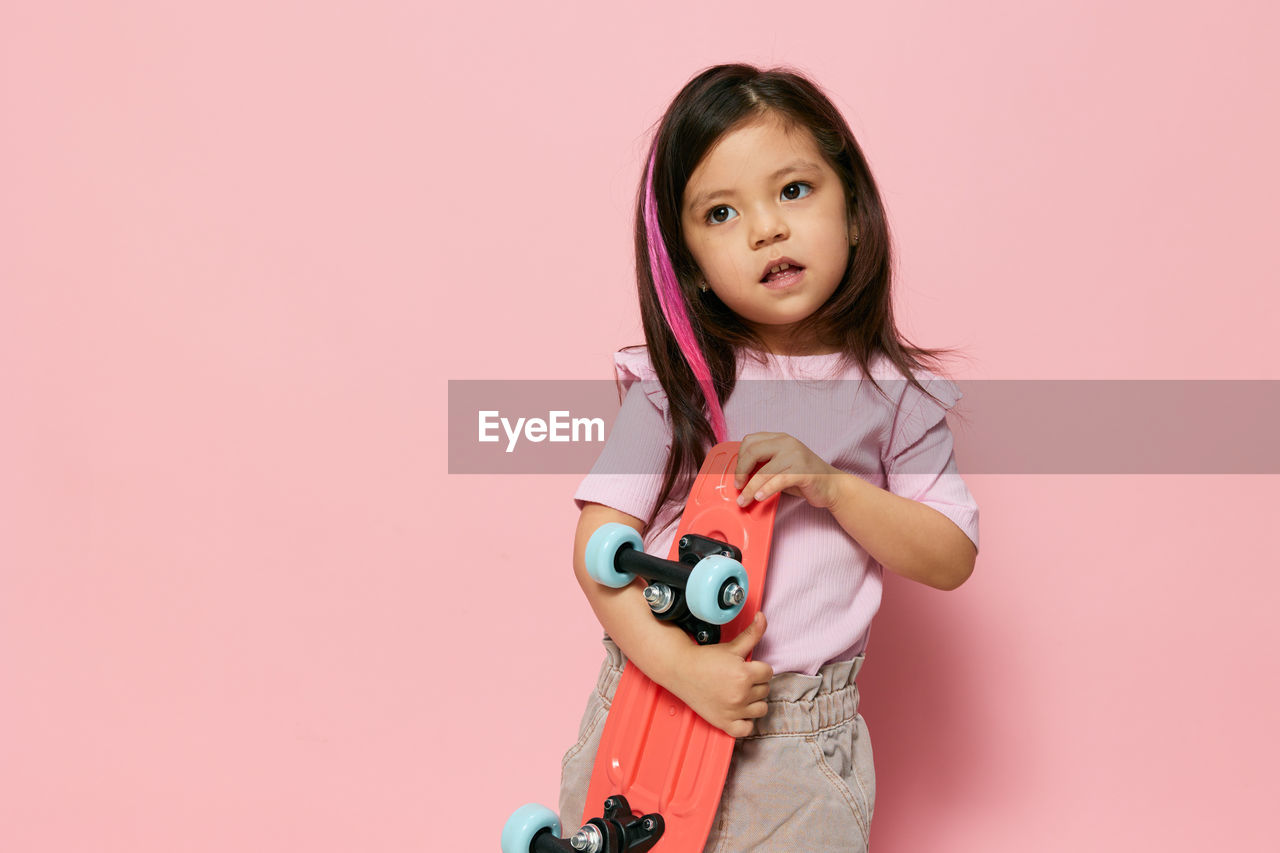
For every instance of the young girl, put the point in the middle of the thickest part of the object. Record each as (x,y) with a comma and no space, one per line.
(762,253)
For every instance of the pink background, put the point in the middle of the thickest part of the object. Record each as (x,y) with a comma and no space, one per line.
(244,607)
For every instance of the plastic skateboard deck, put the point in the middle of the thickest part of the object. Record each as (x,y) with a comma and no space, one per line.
(656,751)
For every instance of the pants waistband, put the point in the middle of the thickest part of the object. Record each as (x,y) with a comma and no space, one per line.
(798,704)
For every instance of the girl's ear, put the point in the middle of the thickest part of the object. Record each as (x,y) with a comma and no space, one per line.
(853,235)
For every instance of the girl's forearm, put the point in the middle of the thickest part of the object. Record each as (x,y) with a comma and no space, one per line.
(906,537)
(625,616)
(652,645)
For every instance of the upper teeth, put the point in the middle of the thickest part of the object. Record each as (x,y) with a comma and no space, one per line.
(780,268)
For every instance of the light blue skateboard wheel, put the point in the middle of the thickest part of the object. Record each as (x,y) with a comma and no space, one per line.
(526,822)
(702,593)
(603,547)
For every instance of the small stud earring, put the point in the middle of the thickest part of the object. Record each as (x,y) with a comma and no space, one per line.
(703,287)
(854,241)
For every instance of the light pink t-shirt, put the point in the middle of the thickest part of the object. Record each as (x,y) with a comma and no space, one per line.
(823,589)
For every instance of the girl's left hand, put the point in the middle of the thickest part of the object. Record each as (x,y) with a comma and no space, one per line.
(785,465)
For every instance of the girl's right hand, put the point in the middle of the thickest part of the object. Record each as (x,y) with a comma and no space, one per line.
(723,687)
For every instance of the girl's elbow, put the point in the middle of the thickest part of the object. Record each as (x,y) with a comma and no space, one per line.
(953,581)
(959,573)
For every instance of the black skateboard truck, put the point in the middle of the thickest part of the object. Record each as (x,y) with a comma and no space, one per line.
(702,590)
(535,829)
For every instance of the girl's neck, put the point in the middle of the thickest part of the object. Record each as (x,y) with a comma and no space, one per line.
(791,342)
(796,349)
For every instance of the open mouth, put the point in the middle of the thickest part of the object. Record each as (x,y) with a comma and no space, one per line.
(782,274)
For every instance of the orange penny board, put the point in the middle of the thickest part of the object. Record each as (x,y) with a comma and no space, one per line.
(655,750)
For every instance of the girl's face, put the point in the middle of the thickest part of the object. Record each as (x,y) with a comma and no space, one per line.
(761,197)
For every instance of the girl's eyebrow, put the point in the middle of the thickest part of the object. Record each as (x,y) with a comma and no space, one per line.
(796,166)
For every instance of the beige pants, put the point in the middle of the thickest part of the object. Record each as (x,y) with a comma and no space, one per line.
(803,781)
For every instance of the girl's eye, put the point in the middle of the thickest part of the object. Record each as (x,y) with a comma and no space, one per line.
(720,214)
(795,190)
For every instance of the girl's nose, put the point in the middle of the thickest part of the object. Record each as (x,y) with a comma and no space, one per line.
(769,228)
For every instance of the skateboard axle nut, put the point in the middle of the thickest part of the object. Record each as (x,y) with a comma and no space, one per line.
(587,840)
(659,596)
(733,595)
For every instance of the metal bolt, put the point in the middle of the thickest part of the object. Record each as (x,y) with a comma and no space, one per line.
(587,839)
(659,596)
(684,541)
(733,595)
(647,823)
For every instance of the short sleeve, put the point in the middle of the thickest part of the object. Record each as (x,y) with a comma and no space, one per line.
(628,474)
(920,462)
(633,368)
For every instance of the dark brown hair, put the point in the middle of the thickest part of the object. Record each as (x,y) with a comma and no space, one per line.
(857,319)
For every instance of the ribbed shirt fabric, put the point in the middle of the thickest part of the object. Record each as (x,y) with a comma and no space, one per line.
(823,589)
